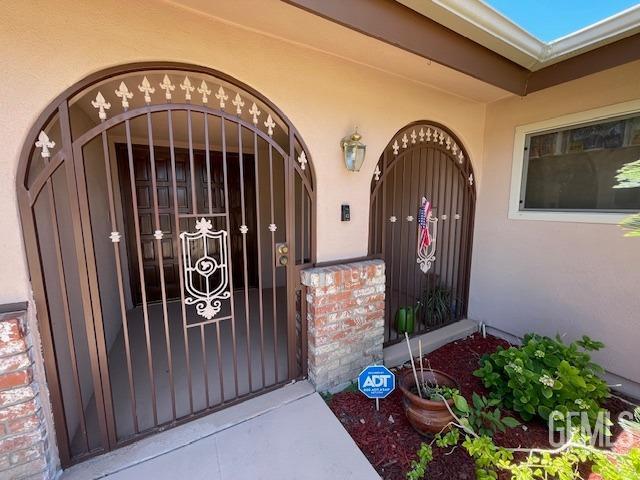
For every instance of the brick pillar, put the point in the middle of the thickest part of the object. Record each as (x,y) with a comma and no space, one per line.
(345,314)
(24,451)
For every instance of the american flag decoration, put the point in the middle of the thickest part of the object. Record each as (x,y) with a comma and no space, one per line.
(427,226)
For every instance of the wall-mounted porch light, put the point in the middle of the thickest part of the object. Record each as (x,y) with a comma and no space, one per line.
(353,150)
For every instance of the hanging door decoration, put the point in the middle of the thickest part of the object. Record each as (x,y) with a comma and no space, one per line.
(426,238)
(204,289)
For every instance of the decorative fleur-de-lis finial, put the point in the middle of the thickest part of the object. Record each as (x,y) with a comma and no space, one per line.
(428,134)
(223,97)
(204,91)
(302,160)
(187,88)
(124,93)
(272,227)
(454,148)
(146,88)
(471,179)
(269,124)
(460,157)
(167,86)
(413,137)
(244,229)
(376,173)
(448,142)
(405,141)
(238,103)
(101,104)
(421,134)
(441,137)
(395,147)
(45,144)
(255,113)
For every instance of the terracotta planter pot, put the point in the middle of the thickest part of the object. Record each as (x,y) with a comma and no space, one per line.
(426,416)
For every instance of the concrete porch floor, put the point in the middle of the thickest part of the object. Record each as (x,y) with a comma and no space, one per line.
(289,433)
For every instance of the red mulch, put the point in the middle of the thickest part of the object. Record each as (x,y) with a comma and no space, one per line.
(390,443)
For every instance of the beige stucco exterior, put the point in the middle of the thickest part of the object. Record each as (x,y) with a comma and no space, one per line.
(526,275)
(323,95)
(555,277)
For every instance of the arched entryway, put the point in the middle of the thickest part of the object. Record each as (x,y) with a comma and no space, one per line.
(421,224)
(167,211)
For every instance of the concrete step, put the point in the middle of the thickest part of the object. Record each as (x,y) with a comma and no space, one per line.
(397,354)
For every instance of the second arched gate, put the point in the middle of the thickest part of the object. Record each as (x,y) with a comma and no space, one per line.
(421,224)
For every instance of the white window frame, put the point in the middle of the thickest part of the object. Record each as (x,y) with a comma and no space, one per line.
(564,121)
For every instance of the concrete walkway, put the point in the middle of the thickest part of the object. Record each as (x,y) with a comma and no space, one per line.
(286,434)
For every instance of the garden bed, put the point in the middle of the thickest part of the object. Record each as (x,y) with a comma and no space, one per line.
(390,443)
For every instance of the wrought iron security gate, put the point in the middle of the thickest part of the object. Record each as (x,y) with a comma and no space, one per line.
(167,211)
(421,224)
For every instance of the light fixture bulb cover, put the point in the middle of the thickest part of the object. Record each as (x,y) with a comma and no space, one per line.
(354,151)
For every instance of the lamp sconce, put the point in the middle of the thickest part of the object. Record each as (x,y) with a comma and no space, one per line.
(353,151)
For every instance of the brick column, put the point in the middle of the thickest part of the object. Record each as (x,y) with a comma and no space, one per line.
(345,314)
(24,450)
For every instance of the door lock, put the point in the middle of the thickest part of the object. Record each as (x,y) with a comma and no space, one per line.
(283,254)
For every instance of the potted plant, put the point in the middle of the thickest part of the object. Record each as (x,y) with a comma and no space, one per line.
(424,400)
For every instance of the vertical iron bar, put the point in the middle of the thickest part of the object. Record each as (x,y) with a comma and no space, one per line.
(208,161)
(205,367)
(230,266)
(220,369)
(422,173)
(163,289)
(392,253)
(273,265)
(116,251)
(402,257)
(194,195)
(67,312)
(102,366)
(244,257)
(143,288)
(176,219)
(260,299)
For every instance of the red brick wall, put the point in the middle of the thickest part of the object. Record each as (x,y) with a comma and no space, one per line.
(345,315)
(23,438)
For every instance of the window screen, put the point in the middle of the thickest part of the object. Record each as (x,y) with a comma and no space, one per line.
(574,169)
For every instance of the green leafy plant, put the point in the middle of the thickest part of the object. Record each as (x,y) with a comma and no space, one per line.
(449,439)
(419,467)
(438,303)
(540,464)
(438,392)
(544,377)
(484,416)
(629,177)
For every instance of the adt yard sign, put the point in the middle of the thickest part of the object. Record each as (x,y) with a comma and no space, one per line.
(376,381)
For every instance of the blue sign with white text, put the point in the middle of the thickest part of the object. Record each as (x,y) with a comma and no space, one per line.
(376,381)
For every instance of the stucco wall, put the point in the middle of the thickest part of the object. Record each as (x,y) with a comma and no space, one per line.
(53,46)
(573,278)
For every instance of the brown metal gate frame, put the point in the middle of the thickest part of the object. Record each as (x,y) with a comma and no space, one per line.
(69,156)
(437,164)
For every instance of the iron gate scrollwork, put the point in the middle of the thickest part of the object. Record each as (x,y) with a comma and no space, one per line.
(207,302)
(427,276)
(152,198)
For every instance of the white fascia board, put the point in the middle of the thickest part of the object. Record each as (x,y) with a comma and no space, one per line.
(491,21)
(537,54)
(614,27)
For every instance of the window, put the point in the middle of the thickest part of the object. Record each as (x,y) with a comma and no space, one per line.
(567,170)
